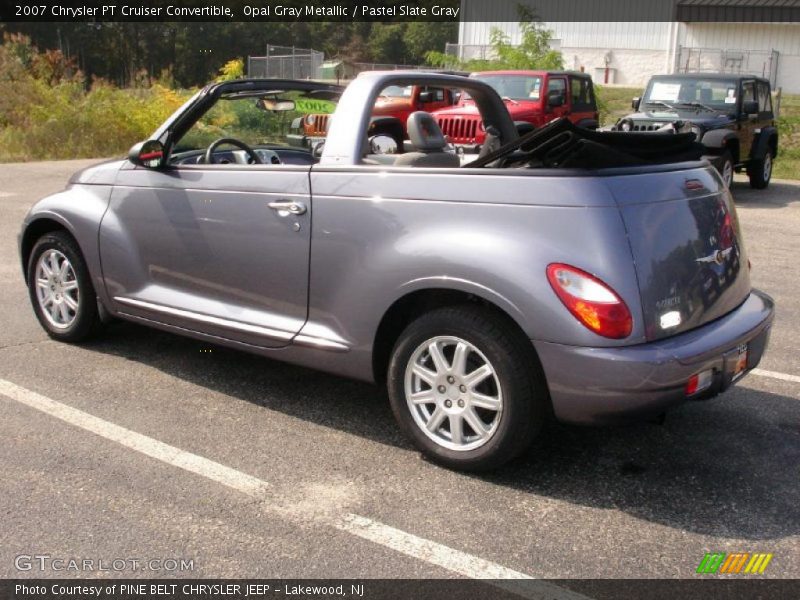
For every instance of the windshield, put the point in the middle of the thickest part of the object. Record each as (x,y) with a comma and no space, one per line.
(397,91)
(716,94)
(515,87)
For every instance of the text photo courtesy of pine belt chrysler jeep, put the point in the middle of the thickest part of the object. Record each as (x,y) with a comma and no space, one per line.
(567,274)
(731,115)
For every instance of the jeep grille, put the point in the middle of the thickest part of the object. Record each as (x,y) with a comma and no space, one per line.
(460,130)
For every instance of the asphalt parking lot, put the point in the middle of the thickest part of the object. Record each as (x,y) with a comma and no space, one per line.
(150,446)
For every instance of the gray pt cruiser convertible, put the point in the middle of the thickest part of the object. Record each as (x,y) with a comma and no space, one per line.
(586,276)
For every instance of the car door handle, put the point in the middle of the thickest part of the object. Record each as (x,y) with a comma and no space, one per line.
(288,207)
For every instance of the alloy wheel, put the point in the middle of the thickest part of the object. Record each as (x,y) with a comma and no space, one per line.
(453,393)
(57,289)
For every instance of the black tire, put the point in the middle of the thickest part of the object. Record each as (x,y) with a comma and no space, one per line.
(523,391)
(726,168)
(85,320)
(760,171)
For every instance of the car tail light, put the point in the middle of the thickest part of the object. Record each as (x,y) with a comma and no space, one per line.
(591,301)
(699,382)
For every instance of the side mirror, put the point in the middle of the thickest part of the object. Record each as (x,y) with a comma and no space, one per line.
(555,98)
(317,148)
(635,102)
(382,144)
(425,97)
(148,154)
(750,107)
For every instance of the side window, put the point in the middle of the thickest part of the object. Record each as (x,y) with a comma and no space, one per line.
(437,94)
(581,92)
(557,85)
(249,127)
(764,98)
(749,91)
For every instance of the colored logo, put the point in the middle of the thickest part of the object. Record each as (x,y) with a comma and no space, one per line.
(736,562)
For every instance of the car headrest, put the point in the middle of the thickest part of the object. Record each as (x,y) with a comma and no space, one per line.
(424,132)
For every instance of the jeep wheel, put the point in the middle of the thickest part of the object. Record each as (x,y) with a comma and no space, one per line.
(760,171)
(726,170)
(464,385)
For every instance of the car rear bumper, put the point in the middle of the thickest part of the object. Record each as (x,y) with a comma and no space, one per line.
(604,385)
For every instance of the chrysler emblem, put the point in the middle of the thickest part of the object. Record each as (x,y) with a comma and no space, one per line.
(716,257)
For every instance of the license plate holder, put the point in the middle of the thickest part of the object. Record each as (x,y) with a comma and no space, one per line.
(740,362)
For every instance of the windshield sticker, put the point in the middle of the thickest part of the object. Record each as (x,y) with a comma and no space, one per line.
(314,106)
(730,98)
(665,91)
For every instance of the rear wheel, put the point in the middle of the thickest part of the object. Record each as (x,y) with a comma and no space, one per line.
(464,385)
(60,289)
(760,171)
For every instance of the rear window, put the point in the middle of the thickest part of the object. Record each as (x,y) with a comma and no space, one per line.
(582,94)
(764,98)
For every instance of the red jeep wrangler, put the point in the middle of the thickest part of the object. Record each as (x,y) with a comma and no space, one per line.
(532,97)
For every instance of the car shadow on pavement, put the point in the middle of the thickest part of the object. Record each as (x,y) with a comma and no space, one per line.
(729,467)
(779,194)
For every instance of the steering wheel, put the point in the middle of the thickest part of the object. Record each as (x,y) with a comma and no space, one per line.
(208,156)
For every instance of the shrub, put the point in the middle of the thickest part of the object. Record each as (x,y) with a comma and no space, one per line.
(47,111)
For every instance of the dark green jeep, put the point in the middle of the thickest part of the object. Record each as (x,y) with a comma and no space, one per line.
(730,114)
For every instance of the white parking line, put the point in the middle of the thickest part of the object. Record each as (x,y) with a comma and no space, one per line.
(400,541)
(776,375)
(136,441)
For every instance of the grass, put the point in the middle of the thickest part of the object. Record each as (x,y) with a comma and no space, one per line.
(787,166)
(615,102)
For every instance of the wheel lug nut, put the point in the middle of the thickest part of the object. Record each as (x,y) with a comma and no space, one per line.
(463,388)
(461,403)
(451,379)
(448,403)
(442,389)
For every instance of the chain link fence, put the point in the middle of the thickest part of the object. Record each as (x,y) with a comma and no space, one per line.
(716,60)
(286,62)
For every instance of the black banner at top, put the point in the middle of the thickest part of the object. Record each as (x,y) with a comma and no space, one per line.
(230,10)
(784,11)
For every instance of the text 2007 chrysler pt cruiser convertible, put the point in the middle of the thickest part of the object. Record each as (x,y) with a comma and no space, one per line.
(569,273)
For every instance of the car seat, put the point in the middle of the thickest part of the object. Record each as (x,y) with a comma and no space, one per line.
(429,144)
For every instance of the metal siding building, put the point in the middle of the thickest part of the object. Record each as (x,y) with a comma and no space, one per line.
(629,52)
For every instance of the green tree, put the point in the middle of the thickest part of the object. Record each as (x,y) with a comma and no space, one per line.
(387,43)
(423,36)
(533,51)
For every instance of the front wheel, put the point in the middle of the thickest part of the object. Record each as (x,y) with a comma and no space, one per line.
(61,290)
(760,171)
(726,169)
(465,386)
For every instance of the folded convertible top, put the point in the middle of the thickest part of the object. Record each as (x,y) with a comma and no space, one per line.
(562,144)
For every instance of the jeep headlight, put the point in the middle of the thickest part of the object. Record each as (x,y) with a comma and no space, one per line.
(311,119)
(625,125)
(698,133)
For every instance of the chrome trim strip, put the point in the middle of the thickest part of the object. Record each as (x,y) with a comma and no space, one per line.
(201,318)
